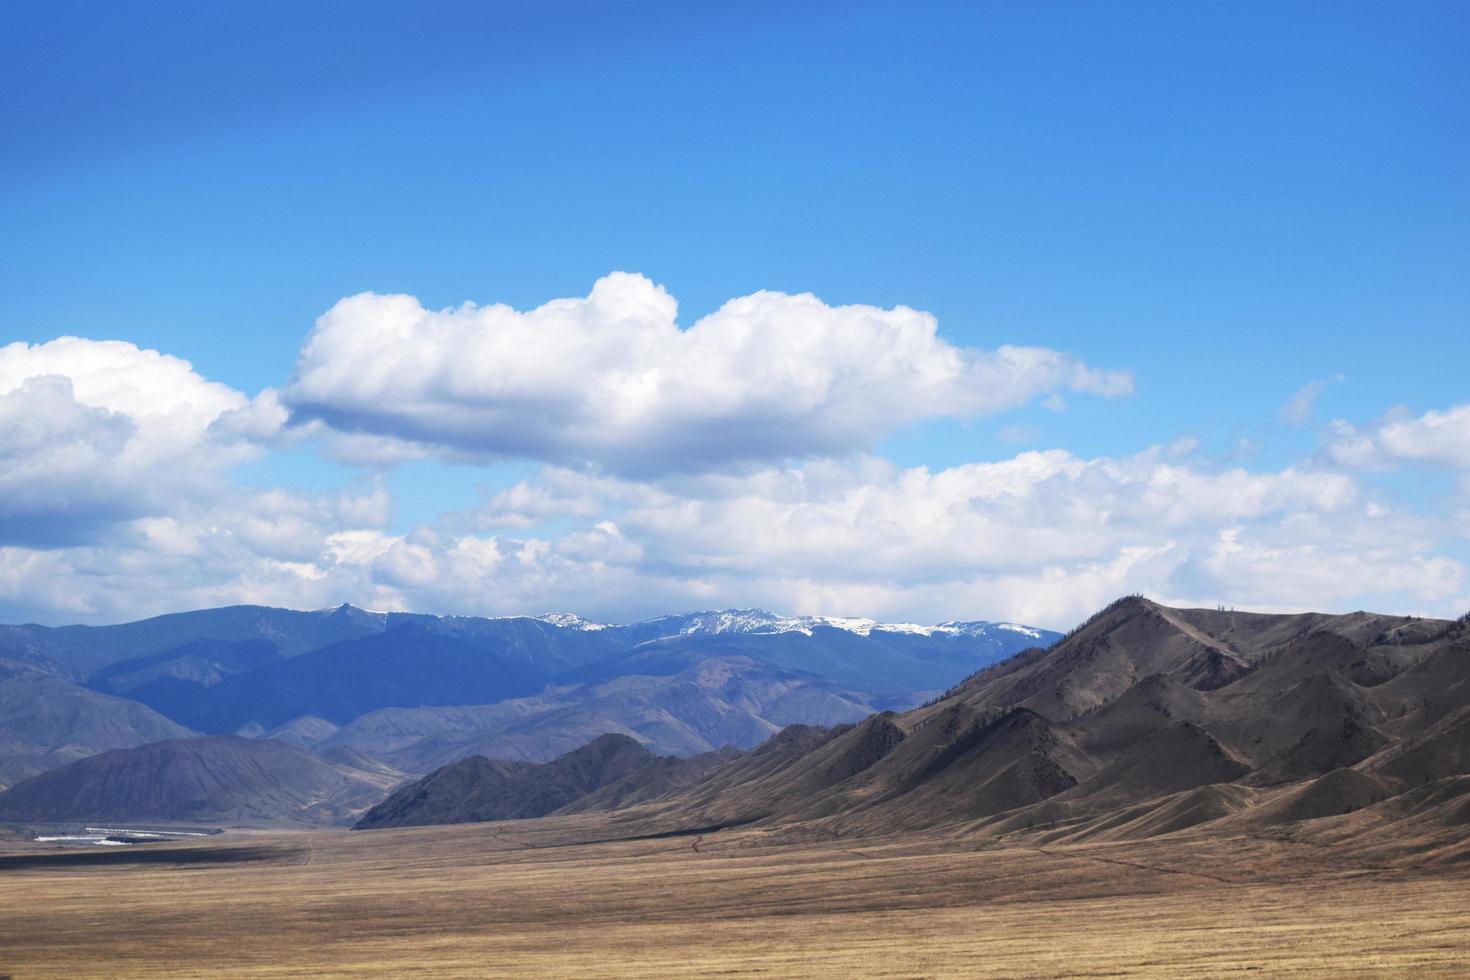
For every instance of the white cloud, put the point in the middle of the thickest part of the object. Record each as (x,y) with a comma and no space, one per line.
(1434,437)
(127,380)
(270,547)
(879,522)
(1298,410)
(96,432)
(1042,537)
(1269,568)
(612,379)
(120,455)
(524,505)
(1346,445)
(1437,437)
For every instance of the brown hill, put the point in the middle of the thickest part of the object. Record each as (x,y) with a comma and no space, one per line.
(463,792)
(1153,704)
(1428,688)
(220,779)
(1015,760)
(357,765)
(1343,741)
(306,731)
(666,774)
(1339,791)
(1177,758)
(1442,750)
(478,789)
(712,703)
(46,722)
(740,791)
(1144,721)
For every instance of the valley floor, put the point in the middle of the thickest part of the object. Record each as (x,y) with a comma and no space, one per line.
(523,899)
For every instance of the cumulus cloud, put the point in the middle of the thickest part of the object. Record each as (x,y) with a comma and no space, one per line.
(1306,556)
(1046,535)
(115,501)
(1042,537)
(614,381)
(122,378)
(1437,437)
(240,546)
(94,432)
(1434,437)
(1036,509)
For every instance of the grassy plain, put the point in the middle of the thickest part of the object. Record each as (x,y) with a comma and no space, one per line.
(523,900)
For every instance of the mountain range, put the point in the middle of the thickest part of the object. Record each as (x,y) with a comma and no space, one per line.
(411,692)
(1145,720)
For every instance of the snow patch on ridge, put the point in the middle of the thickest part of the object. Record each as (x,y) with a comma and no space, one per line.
(571,621)
(757,621)
(1035,634)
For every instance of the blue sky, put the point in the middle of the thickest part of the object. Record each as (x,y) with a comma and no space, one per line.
(1227,202)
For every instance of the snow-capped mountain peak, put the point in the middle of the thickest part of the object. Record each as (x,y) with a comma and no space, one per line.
(746,621)
(572,621)
(722,621)
(759,621)
(851,624)
(980,628)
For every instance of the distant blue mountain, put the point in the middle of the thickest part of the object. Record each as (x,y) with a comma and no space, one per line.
(256,668)
(80,652)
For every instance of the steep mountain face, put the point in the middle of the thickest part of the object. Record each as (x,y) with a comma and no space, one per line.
(47,722)
(1145,720)
(477,789)
(212,780)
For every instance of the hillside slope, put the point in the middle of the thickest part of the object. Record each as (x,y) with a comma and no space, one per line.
(416,691)
(1145,720)
(477,789)
(210,780)
(80,652)
(46,722)
(702,708)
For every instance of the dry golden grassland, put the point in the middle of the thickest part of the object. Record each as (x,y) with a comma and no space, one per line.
(518,900)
